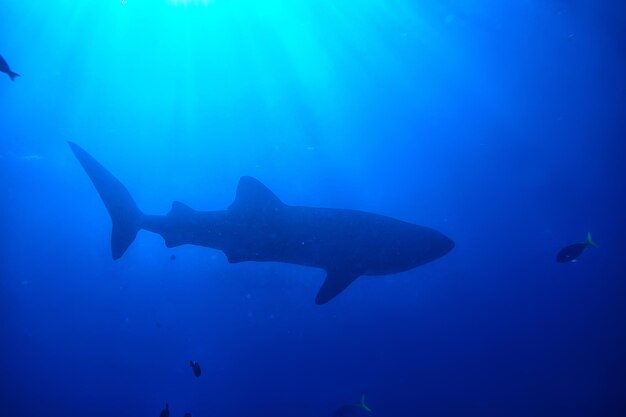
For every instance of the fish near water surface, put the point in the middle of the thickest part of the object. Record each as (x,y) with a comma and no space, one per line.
(4,67)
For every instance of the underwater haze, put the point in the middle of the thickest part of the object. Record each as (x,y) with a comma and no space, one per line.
(500,124)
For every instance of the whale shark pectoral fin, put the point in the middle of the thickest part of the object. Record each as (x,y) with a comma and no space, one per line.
(336,282)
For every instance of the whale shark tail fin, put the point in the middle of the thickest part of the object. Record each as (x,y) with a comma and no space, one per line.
(590,241)
(125,215)
(363,405)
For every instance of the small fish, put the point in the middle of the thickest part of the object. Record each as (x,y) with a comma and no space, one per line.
(172,257)
(571,252)
(4,67)
(353,410)
(196,368)
(166,411)
(187,415)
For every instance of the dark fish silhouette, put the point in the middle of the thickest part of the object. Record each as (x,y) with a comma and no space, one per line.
(259,227)
(196,368)
(4,67)
(353,410)
(187,415)
(166,411)
(571,252)
(172,257)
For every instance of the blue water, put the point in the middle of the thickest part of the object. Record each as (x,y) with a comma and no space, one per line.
(498,123)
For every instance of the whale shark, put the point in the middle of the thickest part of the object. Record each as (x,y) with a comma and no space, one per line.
(259,227)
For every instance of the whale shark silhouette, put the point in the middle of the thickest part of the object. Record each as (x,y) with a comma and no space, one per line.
(258,226)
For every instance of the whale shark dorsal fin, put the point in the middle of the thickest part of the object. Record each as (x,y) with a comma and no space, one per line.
(179,212)
(336,282)
(180,209)
(253,195)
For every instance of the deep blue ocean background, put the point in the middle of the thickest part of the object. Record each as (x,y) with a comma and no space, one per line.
(500,123)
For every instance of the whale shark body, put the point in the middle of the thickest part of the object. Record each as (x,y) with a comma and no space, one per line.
(258,226)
